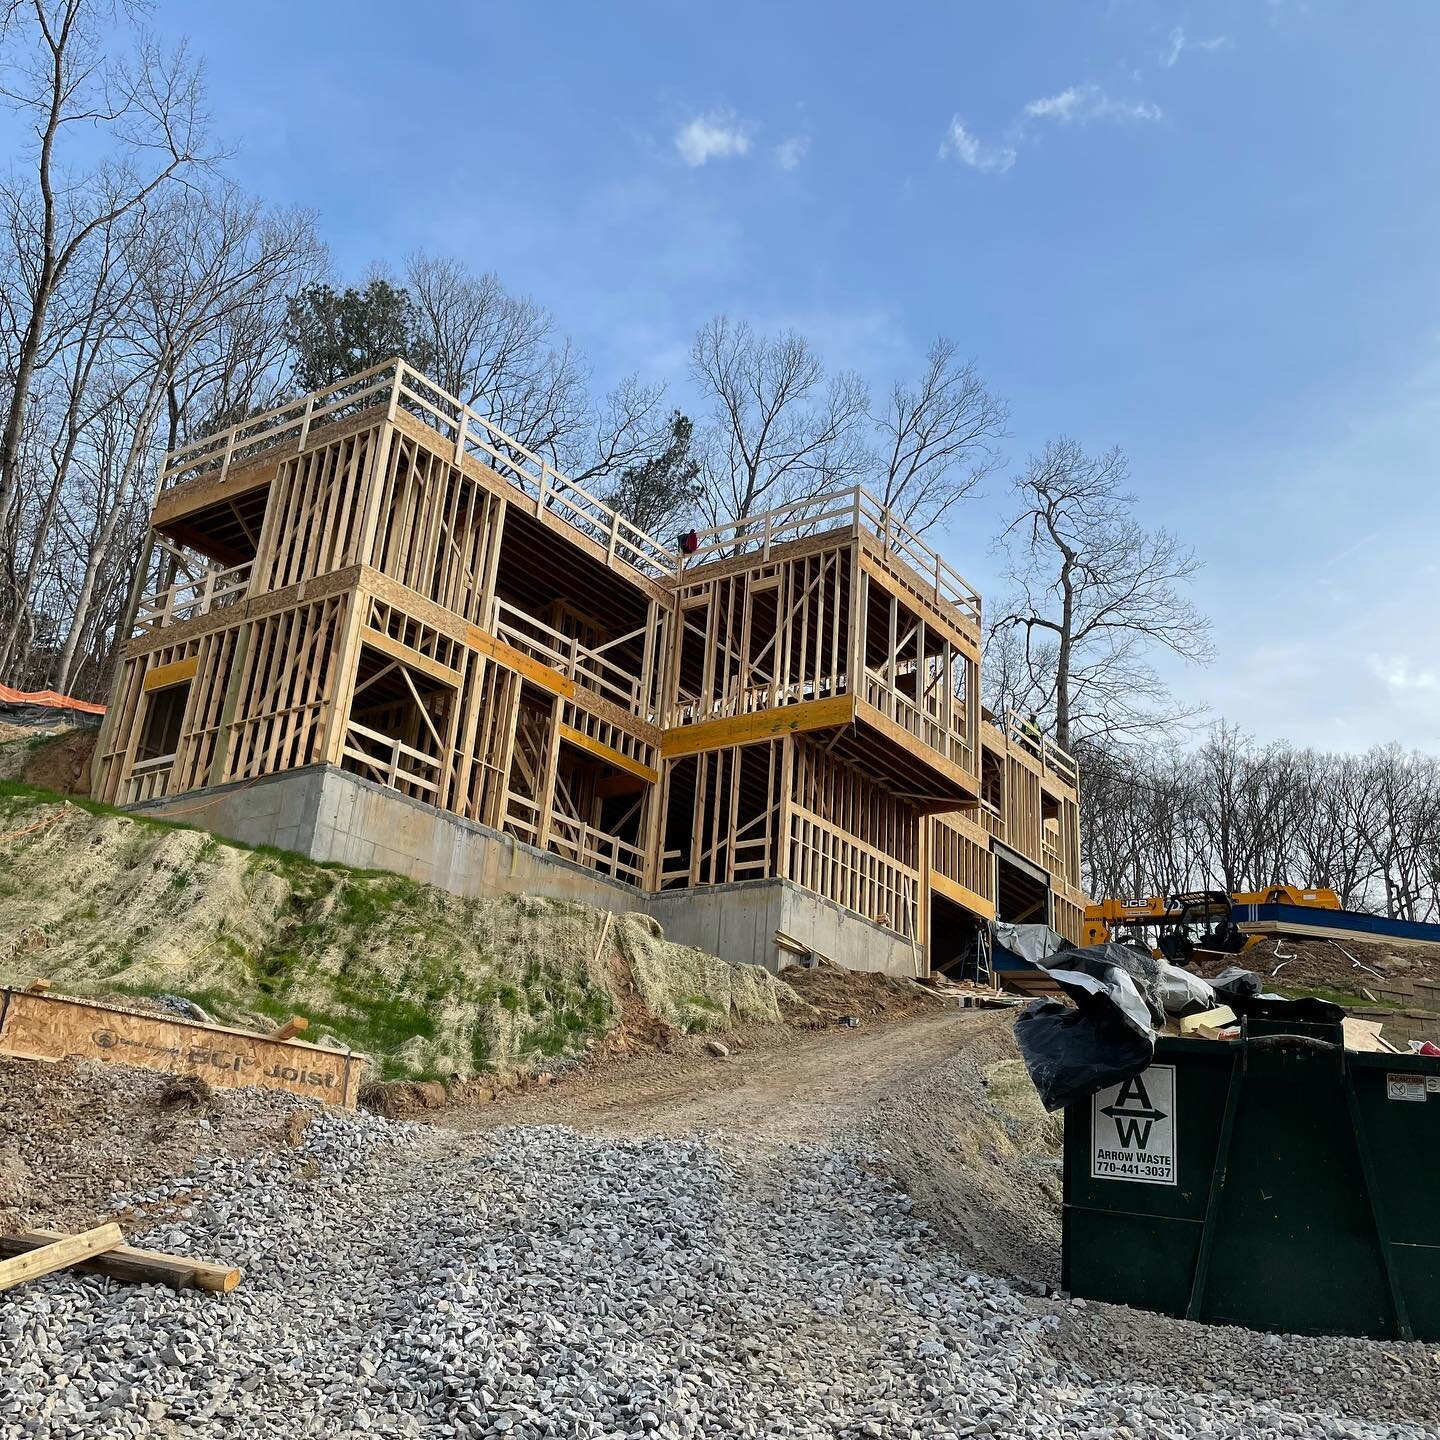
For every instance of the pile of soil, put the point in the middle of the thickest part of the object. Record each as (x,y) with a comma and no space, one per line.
(59,762)
(970,1141)
(1312,963)
(838,994)
(75,1132)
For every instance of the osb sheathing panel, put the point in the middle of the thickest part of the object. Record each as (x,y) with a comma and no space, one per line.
(55,1027)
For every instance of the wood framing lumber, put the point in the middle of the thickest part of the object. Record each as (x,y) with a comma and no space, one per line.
(608,753)
(291,1028)
(128,1262)
(407,594)
(962,895)
(175,673)
(52,1255)
(1364,1036)
(378,640)
(761,725)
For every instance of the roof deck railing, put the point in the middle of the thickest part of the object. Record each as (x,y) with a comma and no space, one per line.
(1051,756)
(395,385)
(853,507)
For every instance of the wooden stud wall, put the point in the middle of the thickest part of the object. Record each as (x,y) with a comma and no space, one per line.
(852,842)
(960,852)
(1068,917)
(775,634)
(437,531)
(371,637)
(1022,808)
(723,815)
(315,516)
(284,688)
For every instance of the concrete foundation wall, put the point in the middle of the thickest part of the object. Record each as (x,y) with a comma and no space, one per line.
(332,815)
(738,922)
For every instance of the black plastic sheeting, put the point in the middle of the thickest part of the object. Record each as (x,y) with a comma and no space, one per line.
(1106,1038)
(1035,943)
(1121,995)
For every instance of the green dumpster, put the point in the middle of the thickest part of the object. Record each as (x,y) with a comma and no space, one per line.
(1277,1181)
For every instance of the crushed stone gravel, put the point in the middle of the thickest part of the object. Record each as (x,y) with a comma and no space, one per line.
(525,1282)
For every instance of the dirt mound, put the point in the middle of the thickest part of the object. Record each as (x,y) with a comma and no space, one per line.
(428,984)
(837,993)
(1321,964)
(59,762)
(971,1143)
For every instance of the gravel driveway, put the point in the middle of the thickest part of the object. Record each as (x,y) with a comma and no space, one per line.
(404,1280)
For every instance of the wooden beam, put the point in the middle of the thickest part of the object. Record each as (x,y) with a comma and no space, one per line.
(291,1028)
(604,752)
(387,645)
(175,673)
(761,725)
(517,660)
(53,1255)
(962,895)
(127,1262)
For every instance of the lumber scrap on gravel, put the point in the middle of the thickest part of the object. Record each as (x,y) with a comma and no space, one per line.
(127,1262)
(58,1254)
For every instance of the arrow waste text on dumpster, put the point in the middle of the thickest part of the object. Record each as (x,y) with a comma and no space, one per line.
(1133,1129)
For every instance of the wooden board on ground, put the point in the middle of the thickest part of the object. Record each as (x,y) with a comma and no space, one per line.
(58,1254)
(1215,1019)
(56,1027)
(128,1262)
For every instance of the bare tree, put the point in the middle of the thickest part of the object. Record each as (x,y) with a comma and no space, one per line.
(104,291)
(1099,592)
(778,429)
(498,352)
(61,78)
(937,440)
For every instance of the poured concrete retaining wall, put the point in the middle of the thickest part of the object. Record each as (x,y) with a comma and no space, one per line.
(739,921)
(332,815)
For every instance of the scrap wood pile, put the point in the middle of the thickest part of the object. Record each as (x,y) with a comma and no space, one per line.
(102,1251)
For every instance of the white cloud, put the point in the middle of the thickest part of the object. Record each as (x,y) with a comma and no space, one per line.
(789,153)
(716,135)
(1179,42)
(1083,103)
(1399,676)
(959,144)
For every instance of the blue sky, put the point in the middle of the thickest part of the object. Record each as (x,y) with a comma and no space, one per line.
(1206,233)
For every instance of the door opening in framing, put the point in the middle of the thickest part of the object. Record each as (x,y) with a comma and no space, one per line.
(398,729)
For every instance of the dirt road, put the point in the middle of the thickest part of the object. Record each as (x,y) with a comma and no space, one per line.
(774,1088)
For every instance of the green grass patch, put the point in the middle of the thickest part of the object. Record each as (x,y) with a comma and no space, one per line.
(1338,997)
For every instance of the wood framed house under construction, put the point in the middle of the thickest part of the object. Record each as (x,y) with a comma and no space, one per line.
(375,586)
